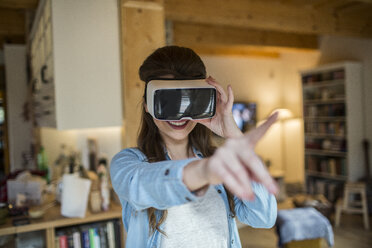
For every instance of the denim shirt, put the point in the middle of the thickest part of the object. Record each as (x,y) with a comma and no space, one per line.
(141,185)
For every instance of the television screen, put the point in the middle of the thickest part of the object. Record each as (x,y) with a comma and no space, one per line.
(244,114)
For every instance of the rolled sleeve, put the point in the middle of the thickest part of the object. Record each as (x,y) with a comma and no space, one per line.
(143,184)
(259,213)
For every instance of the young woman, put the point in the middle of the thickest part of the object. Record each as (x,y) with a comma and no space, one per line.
(175,188)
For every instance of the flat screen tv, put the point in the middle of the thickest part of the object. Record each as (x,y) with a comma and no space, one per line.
(244,114)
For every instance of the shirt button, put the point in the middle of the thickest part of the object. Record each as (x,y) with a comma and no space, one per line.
(166,172)
(188,199)
(219,191)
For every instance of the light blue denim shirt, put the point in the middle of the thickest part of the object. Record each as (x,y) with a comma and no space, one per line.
(141,185)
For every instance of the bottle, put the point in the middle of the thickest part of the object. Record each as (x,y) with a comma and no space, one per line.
(42,163)
(60,163)
(104,187)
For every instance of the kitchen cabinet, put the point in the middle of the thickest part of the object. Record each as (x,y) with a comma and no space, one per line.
(75,64)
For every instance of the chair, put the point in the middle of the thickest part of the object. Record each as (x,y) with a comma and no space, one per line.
(350,205)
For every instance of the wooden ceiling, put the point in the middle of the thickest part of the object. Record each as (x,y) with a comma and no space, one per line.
(13,16)
(225,24)
(211,26)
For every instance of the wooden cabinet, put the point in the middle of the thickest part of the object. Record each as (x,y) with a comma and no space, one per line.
(333,125)
(75,64)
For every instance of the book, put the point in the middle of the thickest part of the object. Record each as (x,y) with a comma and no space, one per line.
(117,232)
(63,241)
(76,239)
(103,236)
(85,239)
(70,240)
(91,238)
(97,242)
(110,234)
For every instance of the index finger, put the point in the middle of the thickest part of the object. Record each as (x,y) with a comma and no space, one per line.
(256,134)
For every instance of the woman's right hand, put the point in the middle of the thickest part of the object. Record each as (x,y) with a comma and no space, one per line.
(236,165)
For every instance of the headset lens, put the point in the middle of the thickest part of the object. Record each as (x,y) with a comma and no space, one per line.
(175,104)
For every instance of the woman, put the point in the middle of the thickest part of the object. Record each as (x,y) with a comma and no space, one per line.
(172,186)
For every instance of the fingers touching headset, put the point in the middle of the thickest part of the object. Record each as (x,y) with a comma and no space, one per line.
(222,123)
(226,99)
(236,165)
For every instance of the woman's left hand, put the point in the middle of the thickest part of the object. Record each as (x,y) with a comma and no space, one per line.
(223,123)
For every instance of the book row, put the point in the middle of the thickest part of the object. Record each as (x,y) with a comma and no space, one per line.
(332,190)
(324,76)
(331,166)
(329,128)
(327,145)
(105,234)
(337,109)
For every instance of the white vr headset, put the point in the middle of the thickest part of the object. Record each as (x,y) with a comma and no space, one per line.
(172,100)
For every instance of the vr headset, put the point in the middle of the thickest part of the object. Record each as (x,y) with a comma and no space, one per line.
(173,100)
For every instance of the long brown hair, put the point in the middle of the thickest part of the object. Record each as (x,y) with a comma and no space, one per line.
(179,62)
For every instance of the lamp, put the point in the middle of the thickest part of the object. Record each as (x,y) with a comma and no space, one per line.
(284,115)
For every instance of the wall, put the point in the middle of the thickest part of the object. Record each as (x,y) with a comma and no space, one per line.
(108,140)
(86,54)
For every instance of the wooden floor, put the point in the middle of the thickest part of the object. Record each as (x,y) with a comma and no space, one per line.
(349,235)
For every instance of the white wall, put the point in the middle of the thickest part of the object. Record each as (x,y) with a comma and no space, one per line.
(87,68)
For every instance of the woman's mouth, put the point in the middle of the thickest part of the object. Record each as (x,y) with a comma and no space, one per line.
(177,124)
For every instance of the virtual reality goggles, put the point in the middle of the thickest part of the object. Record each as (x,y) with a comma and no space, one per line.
(172,100)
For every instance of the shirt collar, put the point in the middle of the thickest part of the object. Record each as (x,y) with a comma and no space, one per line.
(195,151)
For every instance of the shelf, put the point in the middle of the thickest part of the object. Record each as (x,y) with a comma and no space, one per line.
(322,84)
(325,175)
(324,136)
(333,120)
(325,118)
(327,101)
(53,219)
(325,153)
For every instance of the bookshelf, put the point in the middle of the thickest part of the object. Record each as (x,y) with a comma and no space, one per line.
(55,225)
(333,127)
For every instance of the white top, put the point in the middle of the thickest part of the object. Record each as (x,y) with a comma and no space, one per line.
(199,224)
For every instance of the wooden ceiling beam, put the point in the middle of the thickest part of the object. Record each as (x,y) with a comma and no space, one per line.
(12,22)
(19,4)
(239,51)
(267,15)
(203,35)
